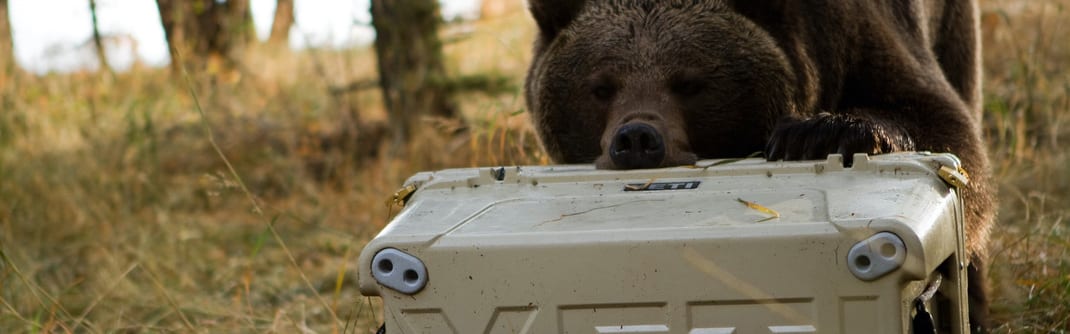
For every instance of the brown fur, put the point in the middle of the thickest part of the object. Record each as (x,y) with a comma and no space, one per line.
(798,79)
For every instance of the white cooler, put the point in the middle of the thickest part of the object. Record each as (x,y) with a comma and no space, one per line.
(737,247)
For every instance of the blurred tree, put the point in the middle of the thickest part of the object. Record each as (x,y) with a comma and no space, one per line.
(200,31)
(7,45)
(411,73)
(490,9)
(98,43)
(284,19)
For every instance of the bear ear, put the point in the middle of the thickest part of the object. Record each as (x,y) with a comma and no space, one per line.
(554,15)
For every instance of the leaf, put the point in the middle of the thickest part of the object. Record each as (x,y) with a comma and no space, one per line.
(642,187)
(761,209)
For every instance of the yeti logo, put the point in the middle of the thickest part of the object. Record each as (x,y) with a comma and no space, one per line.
(683,185)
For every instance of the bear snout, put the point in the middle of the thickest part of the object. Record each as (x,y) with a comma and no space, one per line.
(637,145)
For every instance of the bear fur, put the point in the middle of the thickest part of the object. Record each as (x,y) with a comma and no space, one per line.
(645,83)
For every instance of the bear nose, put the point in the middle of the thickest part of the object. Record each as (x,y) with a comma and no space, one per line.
(637,145)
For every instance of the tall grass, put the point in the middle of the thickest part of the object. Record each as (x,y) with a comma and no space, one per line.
(118,215)
(1027,92)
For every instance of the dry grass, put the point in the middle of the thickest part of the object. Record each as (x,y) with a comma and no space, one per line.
(117,215)
(1027,92)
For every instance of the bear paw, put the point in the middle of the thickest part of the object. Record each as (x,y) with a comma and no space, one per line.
(825,133)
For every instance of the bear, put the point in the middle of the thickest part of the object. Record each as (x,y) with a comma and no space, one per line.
(629,84)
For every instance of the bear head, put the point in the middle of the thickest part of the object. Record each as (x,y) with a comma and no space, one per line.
(644,83)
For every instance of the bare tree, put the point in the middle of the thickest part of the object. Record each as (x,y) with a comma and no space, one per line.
(198,30)
(284,19)
(411,73)
(98,43)
(7,45)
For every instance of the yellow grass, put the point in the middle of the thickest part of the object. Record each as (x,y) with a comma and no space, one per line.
(1027,93)
(118,215)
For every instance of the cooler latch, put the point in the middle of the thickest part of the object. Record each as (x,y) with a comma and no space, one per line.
(956,177)
(923,322)
(401,196)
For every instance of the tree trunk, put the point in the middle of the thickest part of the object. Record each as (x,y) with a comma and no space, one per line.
(284,19)
(7,44)
(98,42)
(411,73)
(202,30)
(237,22)
(174,15)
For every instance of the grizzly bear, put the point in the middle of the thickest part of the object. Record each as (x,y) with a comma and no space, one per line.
(643,83)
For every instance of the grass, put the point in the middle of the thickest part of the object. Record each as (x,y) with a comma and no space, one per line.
(118,215)
(1027,93)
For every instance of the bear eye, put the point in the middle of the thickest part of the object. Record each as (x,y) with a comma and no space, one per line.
(687,88)
(604,91)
